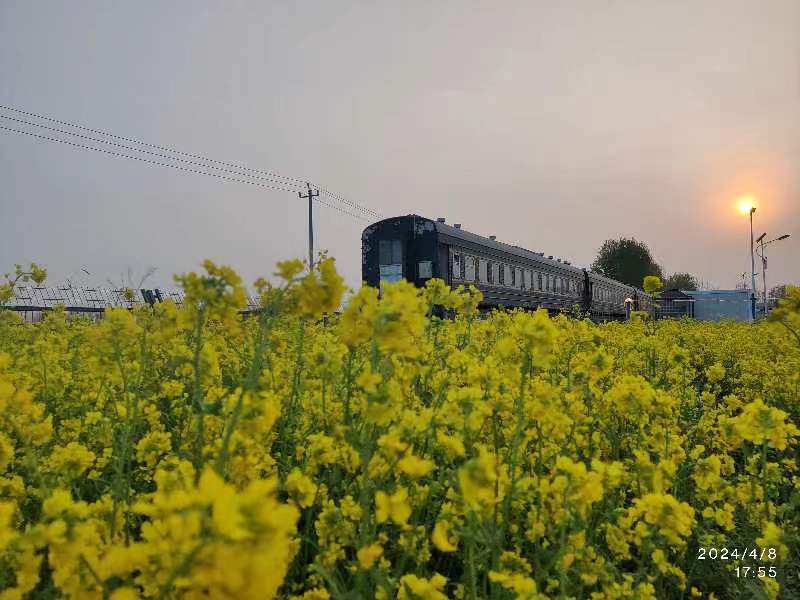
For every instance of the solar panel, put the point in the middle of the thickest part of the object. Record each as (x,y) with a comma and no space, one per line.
(93,300)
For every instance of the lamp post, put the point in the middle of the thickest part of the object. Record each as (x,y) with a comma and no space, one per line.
(763,258)
(747,206)
(752,268)
(760,240)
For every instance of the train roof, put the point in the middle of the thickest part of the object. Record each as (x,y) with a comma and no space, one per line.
(468,236)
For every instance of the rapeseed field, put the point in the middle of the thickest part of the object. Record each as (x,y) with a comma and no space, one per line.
(386,452)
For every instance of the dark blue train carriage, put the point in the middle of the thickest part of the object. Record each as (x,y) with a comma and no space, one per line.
(418,249)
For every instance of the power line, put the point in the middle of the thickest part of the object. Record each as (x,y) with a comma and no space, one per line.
(346,201)
(156,146)
(270,175)
(178,167)
(149,152)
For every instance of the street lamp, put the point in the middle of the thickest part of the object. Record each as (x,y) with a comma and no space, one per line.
(763,258)
(747,205)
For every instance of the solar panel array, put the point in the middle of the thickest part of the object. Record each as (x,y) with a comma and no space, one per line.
(95,300)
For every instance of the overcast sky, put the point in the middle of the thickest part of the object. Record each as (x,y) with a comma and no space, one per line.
(553,125)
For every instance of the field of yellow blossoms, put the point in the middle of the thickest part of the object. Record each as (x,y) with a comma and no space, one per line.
(385,452)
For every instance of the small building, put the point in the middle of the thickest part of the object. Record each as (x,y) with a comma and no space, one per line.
(674,304)
(716,305)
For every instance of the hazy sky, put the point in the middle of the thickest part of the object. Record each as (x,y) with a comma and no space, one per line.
(553,125)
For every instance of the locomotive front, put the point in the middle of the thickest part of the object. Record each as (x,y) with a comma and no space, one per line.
(400,248)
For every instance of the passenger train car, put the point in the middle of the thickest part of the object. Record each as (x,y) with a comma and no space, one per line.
(418,249)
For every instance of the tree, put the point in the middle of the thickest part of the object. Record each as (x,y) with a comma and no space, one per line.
(33,273)
(681,281)
(779,291)
(626,260)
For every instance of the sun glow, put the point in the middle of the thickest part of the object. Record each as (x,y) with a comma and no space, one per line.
(746,204)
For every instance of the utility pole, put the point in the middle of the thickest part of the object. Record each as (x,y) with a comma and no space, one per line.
(752,268)
(760,240)
(763,257)
(311,194)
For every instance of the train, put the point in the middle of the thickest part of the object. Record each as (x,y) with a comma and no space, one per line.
(418,249)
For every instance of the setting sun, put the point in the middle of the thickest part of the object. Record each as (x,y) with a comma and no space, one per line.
(746,204)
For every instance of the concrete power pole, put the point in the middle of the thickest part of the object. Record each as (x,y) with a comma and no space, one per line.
(752,269)
(311,194)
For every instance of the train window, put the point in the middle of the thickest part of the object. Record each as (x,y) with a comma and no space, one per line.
(490,272)
(520,279)
(527,282)
(456,266)
(502,278)
(539,281)
(469,268)
(390,260)
(483,271)
(425,269)
(513,277)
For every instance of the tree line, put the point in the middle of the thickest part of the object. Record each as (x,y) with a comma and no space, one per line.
(629,261)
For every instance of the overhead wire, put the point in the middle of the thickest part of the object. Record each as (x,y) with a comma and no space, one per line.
(148,152)
(147,144)
(349,202)
(173,166)
(242,169)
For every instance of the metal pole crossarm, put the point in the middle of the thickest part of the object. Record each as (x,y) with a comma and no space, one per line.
(778,239)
